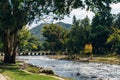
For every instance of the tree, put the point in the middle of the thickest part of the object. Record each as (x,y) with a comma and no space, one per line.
(34,44)
(114,38)
(14,14)
(28,42)
(74,19)
(103,19)
(101,28)
(99,37)
(79,35)
(24,34)
(54,35)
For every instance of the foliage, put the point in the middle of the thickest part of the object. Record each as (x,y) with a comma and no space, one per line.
(101,23)
(47,71)
(33,69)
(88,48)
(24,35)
(54,35)
(79,35)
(82,33)
(114,38)
(99,5)
(36,31)
(28,42)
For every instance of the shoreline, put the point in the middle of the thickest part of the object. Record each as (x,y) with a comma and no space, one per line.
(41,73)
(96,59)
(18,67)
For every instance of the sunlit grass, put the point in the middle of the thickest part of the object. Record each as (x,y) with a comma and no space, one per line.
(14,73)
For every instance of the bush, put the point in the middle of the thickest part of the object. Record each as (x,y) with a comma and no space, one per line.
(32,69)
(47,71)
(88,48)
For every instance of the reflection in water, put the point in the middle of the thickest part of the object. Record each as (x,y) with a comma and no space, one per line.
(76,70)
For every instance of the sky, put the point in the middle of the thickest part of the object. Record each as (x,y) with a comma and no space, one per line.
(80,14)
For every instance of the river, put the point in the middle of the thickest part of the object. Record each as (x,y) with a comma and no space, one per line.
(76,70)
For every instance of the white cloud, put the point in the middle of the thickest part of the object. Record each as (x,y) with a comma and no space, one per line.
(115,8)
(79,13)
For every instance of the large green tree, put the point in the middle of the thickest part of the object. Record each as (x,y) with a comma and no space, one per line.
(79,35)
(14,14)
(101,28)
(54,35)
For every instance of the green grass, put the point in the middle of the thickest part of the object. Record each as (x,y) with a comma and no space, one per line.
(33,69)
(14,73)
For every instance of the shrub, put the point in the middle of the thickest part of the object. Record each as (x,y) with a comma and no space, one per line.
(47,71)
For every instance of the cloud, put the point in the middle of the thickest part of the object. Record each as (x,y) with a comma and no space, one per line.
(79,13)
(115,8)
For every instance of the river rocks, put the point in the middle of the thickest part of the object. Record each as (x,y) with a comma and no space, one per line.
(93,76)
(71,74)
(78,74)
(53,66)
(22,65)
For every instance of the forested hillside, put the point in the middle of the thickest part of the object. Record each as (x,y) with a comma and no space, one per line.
(36,31)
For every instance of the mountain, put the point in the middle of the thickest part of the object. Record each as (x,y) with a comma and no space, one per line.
(64,25)
(36,30)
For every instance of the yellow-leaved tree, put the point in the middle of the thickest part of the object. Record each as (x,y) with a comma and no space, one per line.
(88,48)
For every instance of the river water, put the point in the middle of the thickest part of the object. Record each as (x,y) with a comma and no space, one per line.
(76,70)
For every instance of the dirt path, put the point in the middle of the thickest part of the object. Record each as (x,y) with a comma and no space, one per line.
(2,77)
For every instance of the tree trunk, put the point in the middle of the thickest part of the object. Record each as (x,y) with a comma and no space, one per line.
(7,58)
(6,43)
(15,44)
(10,47)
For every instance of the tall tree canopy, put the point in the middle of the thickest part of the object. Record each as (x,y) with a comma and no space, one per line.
(79,35)
(54,35)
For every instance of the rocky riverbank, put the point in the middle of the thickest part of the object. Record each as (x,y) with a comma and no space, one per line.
(29,68)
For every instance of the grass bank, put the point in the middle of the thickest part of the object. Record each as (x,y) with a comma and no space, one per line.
(14,72)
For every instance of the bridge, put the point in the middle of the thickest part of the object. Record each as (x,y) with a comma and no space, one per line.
(33,53)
